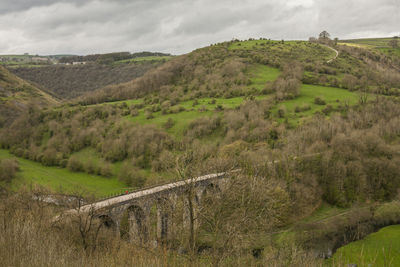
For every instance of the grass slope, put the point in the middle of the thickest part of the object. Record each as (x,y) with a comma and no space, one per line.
(332,96)
(72,81)
(62,180)
(28,61)
(260,74)
(15,88)
(142,59)
(378,249)
(380,44)
(205,108)
(152,178)
(16,95)
(298,50)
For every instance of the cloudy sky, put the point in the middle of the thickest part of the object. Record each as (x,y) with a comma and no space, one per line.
(179,26)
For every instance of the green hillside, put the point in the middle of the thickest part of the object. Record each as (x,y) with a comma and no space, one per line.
(61,180)
(377,249)
(66,82)
(17,95)
(387,46)
(203,96)
(315,136)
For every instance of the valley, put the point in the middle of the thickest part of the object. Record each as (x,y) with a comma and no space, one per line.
(314,135)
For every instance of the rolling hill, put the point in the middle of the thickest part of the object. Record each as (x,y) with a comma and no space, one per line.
(317,135)
(387,46)
(17,95)
(253,91)
(66,82)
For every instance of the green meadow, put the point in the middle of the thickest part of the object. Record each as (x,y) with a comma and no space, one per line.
(142,59)
(260,74)
(380,44)
(331,95)
(61,180)
(377,249)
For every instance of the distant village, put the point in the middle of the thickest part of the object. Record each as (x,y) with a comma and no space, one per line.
(108,58)
(35,60)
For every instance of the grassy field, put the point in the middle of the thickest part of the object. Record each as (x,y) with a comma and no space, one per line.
(61,180)
(378,249)
(141,59)
(331,95)
(372,42)
(251,44)
(14,61)
(380,44)
(295,50)
(260,74)
(152,178)
(205,108)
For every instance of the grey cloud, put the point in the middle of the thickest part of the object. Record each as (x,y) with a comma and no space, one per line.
(346,17)
(22,5)
(179,26)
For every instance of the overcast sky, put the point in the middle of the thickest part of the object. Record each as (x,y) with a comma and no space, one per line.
(179,26)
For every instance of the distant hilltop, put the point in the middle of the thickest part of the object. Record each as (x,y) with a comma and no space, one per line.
(109,57)
(27,60)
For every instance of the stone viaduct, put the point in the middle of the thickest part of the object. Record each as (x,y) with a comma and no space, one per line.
(162,200)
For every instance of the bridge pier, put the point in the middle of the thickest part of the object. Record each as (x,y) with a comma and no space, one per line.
(150,214)
(190,213)
(138,221)
(165,212)
(163,222)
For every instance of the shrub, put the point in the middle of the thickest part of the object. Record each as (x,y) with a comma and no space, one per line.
(219,107)
(63,163)
(350,82)
(169,123)
(166,105)
(149,115)
(203,126)
(131,176)
(281,111)
(165,161)
(8,169)
(319,101)
(51,157)
(328,109)
(90,167)
(202,109)
(195,103)
(74,164)
(302,108)
(287,88)
(134,112)
(268,88)
(105,170)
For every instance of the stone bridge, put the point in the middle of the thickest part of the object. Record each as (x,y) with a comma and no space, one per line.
(133,211)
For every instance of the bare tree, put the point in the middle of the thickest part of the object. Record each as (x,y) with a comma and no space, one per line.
(336,40)
(312,40)
(394,43)
(324,35)
(184,169)
(86,221)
